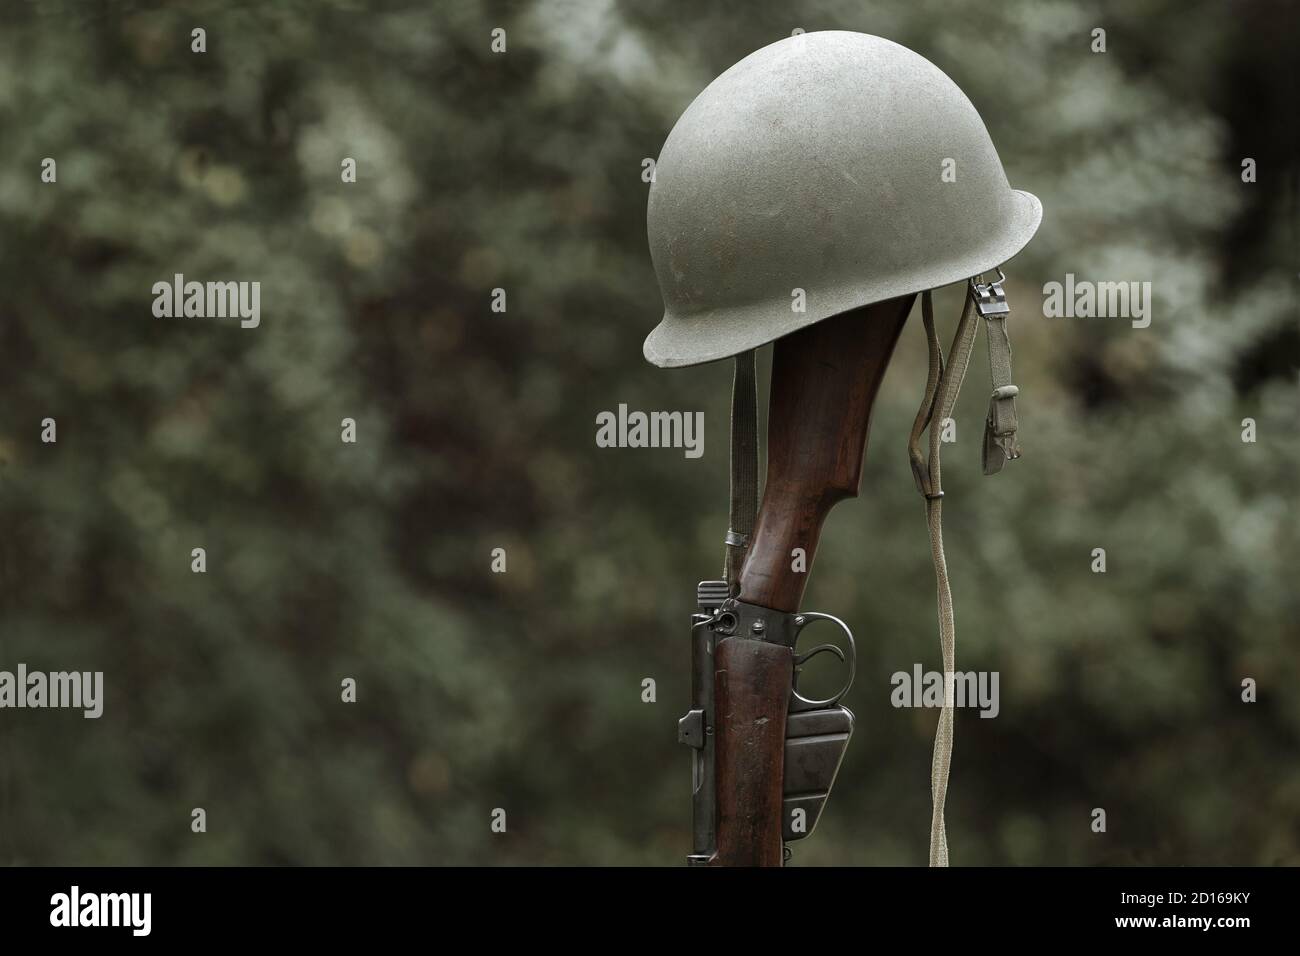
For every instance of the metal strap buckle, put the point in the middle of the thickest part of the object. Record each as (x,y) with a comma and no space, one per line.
(990,299)
(1001,420)
(735,539)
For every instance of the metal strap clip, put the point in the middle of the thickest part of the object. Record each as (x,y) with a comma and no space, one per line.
(990,299)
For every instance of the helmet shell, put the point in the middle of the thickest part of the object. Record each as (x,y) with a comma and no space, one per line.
(816,163)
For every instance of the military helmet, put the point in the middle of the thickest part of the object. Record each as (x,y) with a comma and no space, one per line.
(836,163)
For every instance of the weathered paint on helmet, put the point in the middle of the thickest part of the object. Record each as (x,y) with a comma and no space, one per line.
(816,163)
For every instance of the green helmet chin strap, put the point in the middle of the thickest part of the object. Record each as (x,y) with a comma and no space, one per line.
(943,383)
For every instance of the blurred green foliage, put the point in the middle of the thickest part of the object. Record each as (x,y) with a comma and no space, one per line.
(522,690)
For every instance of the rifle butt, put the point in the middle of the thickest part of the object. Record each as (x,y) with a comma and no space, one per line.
(824,382)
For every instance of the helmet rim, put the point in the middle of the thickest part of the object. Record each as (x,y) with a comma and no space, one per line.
(694,338)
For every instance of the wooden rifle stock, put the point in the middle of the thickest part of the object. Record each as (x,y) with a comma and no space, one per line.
(824,382)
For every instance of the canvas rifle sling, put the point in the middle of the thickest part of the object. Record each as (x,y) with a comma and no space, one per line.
(744,467)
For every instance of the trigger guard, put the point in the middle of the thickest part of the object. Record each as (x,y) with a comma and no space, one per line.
(802,621)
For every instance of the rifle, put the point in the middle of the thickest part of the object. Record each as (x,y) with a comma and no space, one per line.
(765,757)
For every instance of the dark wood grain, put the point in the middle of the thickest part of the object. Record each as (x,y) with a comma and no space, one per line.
(752,691)
(824,381)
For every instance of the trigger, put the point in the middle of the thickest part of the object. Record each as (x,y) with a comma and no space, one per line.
(801,659)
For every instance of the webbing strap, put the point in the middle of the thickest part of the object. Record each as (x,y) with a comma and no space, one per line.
(744,467)
(942,387)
